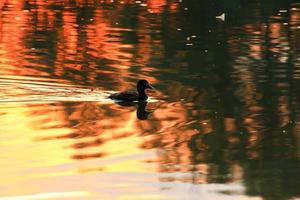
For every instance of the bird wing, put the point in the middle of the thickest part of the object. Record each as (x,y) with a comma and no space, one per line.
(129,94)
(126,95)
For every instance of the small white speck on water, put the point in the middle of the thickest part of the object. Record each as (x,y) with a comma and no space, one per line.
(185,8)
(221,17)
(283,11)
(179,29)
(205,50)
(285,24)
(189,44)
(188,38)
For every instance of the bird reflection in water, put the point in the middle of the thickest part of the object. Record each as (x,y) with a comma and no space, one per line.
(141,112)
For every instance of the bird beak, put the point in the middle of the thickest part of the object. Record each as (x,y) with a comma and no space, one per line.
(150,87)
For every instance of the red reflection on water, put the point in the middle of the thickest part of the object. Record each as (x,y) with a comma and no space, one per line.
(156,6)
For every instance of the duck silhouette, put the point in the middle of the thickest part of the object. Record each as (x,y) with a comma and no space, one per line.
(130,96)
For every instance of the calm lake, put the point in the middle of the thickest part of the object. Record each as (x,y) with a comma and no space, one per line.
(222,123)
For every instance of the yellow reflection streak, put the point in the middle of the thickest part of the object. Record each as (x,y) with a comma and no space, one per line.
(145,196)
(19,153)
(51,195)
(120,149)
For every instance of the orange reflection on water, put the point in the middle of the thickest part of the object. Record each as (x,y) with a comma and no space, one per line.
(104,41)
(12,38)
(156,6)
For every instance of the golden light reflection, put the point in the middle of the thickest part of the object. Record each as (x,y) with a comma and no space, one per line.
(15,140)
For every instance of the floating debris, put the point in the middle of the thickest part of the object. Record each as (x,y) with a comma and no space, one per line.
(221,17)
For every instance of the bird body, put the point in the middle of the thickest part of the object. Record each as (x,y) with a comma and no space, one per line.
(140,95)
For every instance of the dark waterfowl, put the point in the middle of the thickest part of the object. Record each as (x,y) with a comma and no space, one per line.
(140,95)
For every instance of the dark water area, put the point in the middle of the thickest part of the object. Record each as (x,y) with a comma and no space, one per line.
(222,123)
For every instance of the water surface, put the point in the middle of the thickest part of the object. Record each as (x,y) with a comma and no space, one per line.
(223,122)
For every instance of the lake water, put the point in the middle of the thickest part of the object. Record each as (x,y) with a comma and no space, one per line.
(223,122)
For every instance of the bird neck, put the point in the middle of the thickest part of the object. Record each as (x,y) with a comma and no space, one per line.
(142,94)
